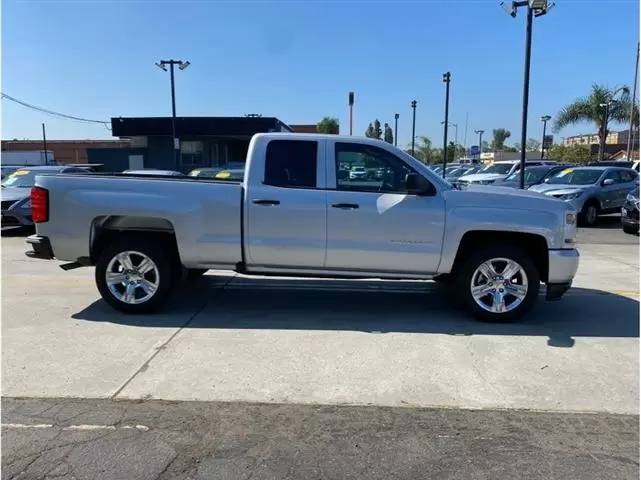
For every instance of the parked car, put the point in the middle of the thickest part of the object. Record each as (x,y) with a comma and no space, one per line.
(357,173)
(236,175)
(498,171)
(153,171)
(630,212)
(16,191)
(294,216)
(8,170)
(612,163)
(593,191)
(533,176)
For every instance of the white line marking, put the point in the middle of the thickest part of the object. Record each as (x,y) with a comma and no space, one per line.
(25,426)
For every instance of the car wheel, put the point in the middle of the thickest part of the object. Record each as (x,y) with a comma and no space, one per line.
(589,215)
(134,275)
(498,283)
(631,229)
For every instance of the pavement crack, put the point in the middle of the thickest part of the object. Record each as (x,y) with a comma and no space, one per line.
(162,347)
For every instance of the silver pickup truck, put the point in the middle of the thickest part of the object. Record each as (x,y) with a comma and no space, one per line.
(298,212)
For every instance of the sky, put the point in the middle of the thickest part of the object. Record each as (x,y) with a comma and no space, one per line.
(297,61)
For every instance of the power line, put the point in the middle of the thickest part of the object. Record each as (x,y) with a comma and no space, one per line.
(55,114)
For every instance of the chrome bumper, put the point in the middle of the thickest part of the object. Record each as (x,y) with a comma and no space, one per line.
(563,265)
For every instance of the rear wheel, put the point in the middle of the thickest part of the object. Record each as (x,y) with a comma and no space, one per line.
(631,229)
(589,215)
(498,283)
(134,275)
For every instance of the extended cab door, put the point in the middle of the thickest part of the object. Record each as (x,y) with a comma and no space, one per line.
(373,224)
(285,214)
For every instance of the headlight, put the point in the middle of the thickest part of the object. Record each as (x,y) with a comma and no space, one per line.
(631,198)
(569,228)
(570,196)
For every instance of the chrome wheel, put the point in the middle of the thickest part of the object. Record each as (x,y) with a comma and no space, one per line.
(132,277)
(499,285)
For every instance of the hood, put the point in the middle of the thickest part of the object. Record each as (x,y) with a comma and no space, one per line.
(481,196)
(14,193)
(560,189)
(477,177)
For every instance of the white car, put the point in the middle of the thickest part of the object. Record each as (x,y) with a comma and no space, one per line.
(498,171)
(357,172)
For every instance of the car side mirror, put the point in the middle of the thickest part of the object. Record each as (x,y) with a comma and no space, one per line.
(608,181)
(417,185)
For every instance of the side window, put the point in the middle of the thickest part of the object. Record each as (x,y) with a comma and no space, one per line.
(366,168)
(627,177)
(291,163)
(614,175)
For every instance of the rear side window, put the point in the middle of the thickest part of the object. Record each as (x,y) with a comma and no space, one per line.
(291,163)
(628,176)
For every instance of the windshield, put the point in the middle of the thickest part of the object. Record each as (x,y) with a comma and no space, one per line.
(571,176)
(457,172)
(531,175)
(20,178)
(498,168)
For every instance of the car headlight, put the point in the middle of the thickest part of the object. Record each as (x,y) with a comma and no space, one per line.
(570,196)
(631,198)
(569,229)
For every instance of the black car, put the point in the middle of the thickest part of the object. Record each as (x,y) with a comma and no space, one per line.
(533,176)
(630,212)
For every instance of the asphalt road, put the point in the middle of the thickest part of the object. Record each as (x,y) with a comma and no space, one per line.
(153,440)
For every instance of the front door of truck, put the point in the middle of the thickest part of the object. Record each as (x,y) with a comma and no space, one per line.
(373,224)
(286,218)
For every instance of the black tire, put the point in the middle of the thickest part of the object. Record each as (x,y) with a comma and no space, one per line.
(152,249)
(194,273)
(475,260)
(585,216)
(631,229)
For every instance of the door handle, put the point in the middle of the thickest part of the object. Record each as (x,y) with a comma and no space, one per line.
(259,201)
(346,206)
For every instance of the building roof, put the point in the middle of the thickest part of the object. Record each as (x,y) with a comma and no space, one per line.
(214,126)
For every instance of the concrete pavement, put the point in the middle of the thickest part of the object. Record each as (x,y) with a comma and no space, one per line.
(314,342)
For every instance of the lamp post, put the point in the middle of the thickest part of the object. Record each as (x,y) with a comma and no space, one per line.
(396,115)
(413,124)
(446,81)
(350,103)
(455,125)
(181,65)
(535,8)
(480,134)
(545,119)
(606,116)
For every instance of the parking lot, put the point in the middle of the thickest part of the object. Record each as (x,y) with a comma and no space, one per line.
(238,339)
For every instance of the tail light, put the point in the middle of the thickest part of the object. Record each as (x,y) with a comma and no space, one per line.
(39,205)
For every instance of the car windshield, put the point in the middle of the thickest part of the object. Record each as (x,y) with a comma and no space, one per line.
(575,176)
(457,172)
(531,175)
(499,168)
(20,178)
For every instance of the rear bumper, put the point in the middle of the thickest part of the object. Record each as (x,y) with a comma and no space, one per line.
(562,267)
(40,248)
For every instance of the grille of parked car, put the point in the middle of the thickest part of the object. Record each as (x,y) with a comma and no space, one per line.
(6,204)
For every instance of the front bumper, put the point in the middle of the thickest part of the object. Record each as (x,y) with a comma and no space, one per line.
(41,248)
(562,267)
(629,214)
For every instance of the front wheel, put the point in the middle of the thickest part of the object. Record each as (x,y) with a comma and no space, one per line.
(589,215)
(134,275)
(499,283)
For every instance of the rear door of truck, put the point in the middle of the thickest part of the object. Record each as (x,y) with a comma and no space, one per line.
(285,204)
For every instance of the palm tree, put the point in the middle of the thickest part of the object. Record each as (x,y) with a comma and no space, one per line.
(422,149)
(590,109)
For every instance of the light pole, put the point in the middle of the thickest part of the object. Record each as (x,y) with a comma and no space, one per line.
(545,119)
(446,81)
(455,125)
(606,117)
(396,115)
(535,8)
(480,134)
(413,124)
(350,103)
(181,65)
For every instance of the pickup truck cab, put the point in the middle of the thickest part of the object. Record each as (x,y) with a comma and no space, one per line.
(298,212)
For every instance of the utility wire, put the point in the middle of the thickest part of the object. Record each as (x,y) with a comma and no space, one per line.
(55,114)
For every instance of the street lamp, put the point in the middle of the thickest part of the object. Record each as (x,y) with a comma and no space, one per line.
(535,8)
(181,65)
(455,125)
(606,116)
(413,104)
(480,134)
(446,81)
(396,115)
(545,119)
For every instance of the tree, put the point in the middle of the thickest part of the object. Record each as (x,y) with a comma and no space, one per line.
(485,146)
(374,130)
(579,154)
(388,135)
(513,149)
(328,125)
(422,150)
(589,109)
(532,145)
(499,136)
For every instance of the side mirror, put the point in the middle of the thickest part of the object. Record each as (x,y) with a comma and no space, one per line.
(418,185)
(607,181)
